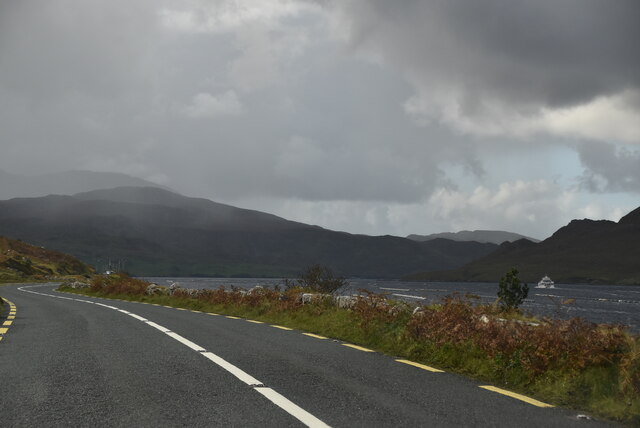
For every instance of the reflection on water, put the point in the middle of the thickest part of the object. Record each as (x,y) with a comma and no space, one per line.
(597,303)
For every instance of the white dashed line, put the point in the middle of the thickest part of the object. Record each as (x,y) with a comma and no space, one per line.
(272,395)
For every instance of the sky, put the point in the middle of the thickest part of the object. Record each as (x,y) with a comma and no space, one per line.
(367,116)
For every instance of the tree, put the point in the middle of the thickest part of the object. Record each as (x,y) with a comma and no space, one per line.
(321,279)
(512,291)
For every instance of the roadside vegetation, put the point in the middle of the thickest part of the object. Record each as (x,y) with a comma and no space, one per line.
(571,363)
(22,262)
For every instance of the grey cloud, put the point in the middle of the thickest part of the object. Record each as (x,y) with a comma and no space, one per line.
(103,93)
(103,85)
(610,169)
(527,54)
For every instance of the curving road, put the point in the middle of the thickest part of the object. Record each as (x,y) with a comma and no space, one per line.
(78,361)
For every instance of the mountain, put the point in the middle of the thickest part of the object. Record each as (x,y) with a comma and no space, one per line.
(21,262)
(584,251)
(63,183)
(491,236)
(157,232)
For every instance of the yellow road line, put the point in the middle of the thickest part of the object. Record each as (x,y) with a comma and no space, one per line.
(211,313)
(359,348)
(255,322)
(232,317)
(314,335)
(420,366)
(12,315)
(197,312)
(516,396)
(281,327)
(182,309)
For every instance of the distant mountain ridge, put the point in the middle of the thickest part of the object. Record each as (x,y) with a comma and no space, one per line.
(158,232)
(64,183)
(584,251)
(491,236)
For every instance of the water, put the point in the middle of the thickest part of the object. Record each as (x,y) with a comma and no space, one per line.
(615,304)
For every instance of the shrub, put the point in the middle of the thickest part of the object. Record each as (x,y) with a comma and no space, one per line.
(511,291)
(321,279)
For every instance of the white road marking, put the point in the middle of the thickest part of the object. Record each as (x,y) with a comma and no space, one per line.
(185,342)
(106,306)
(293,409)
(138,317)
(273,396)
(237,372)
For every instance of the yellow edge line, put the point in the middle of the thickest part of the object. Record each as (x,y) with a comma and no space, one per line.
(516,396)
(314,335)
(11,316)
(255,322)
(211,313)
(281,327)
(197,312)
(420,366)
(359,348)
(232,317)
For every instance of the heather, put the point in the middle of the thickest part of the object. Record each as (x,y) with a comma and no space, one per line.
(575,363)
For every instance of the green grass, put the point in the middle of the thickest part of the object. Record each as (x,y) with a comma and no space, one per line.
(606,388)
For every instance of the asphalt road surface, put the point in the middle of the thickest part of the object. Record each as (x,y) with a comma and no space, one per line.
(69,360)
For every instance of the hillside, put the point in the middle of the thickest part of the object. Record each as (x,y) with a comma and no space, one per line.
(63,183)
(157,232)
(484,236)
(22,262)
(584,251)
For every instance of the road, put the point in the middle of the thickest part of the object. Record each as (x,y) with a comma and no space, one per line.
(77,361)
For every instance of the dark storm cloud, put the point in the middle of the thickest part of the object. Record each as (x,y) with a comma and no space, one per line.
(610,169)
(528,54)
(328,107)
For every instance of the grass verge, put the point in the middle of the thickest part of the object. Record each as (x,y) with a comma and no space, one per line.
(571,363)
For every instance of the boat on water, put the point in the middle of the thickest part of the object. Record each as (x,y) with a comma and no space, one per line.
(545,282)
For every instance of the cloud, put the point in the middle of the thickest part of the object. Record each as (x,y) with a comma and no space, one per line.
(496,67)
(534,208)
(205,16)
(377,114)
(609,168)
(205,105)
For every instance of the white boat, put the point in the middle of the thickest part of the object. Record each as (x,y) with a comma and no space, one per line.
(545,282)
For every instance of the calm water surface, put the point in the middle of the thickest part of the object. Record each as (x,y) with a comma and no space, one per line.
(596,303)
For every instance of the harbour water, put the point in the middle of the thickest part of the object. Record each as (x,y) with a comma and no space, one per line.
(616,304)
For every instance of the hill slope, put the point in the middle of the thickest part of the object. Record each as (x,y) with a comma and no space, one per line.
(583,251)
(21,262)
(491,236)
(63,183)
(163,233)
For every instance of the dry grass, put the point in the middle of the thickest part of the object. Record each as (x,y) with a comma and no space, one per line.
(569,362)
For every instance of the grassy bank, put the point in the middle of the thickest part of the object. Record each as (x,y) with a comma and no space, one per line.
(571,363)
